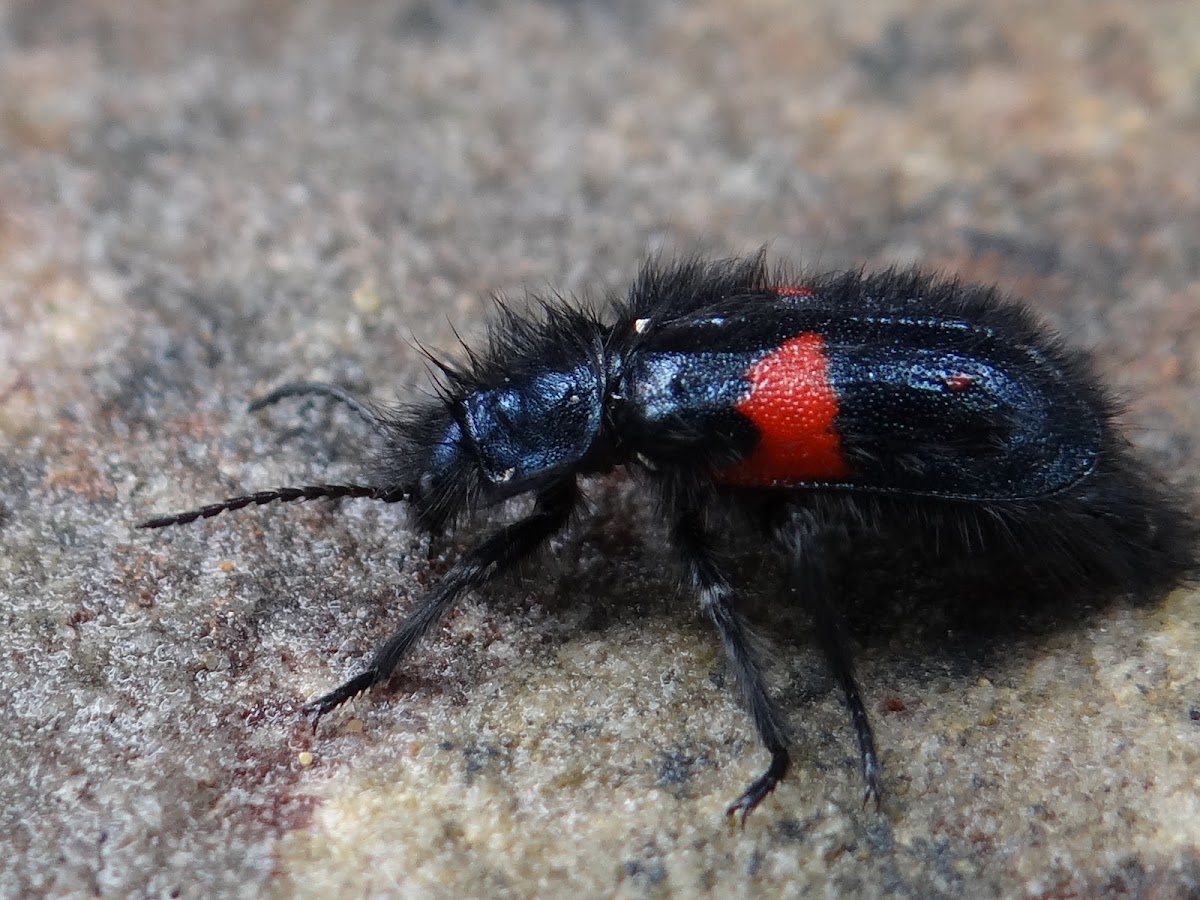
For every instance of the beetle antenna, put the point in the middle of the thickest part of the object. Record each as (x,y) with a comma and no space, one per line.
(319,388)
(283,495)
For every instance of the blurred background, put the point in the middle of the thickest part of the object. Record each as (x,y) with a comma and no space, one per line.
(200,200)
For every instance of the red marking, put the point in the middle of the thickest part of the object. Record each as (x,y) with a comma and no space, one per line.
(794,407)
(793,291)
(958,382)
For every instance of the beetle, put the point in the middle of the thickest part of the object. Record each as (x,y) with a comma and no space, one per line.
(824,411)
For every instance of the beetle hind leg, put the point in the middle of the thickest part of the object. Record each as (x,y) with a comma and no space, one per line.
(808,578)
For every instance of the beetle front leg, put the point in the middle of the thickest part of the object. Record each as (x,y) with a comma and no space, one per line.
(474,570)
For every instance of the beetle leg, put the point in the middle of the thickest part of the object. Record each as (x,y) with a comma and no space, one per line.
(716,600)
(474,570)
(808,578)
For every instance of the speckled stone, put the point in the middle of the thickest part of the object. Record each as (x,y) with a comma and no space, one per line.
(198,201)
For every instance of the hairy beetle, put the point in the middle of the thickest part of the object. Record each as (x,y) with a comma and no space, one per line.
(823,410)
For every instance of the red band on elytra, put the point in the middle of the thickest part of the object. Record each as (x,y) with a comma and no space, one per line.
(794,407)
(793,291)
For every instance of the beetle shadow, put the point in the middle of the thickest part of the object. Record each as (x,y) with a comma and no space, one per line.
(927,618)
(920,618)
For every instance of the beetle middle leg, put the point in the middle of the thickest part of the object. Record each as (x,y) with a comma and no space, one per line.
(716,600)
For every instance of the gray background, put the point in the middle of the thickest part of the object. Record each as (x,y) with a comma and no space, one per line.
(199,200)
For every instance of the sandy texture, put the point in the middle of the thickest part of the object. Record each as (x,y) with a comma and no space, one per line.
(199,200)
